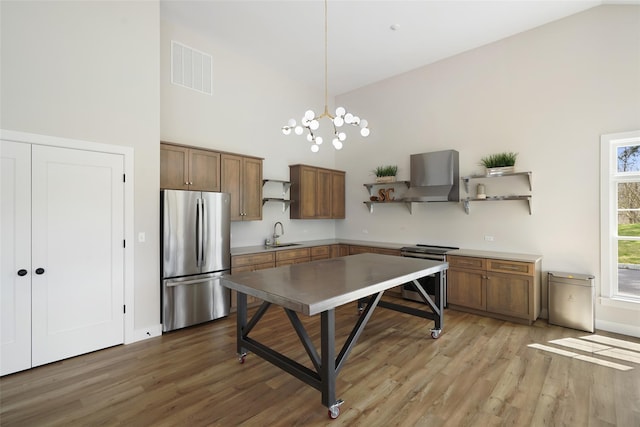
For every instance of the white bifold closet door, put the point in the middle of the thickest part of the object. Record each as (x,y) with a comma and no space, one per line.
(75,260)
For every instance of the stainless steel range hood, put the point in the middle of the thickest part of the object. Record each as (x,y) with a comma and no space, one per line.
(435,177)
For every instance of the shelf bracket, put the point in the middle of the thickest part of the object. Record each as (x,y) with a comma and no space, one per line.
(285,203)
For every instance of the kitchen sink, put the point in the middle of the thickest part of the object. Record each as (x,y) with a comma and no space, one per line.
(282,245)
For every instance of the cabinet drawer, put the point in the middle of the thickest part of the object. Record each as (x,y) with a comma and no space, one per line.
(241,260)
(280,263)
(514,267)
(467,262)
(292,254)
(320,251)
(385,251)
(354,250)
(252,267)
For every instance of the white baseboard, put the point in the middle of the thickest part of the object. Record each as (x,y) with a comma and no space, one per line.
(618,328)
(146,333)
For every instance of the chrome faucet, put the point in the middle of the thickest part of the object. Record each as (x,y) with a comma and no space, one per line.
(276,235)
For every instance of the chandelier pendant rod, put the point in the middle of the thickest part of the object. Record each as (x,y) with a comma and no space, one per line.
(326,64)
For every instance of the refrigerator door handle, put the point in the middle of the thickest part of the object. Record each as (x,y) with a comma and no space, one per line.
(204,233)
(198,232)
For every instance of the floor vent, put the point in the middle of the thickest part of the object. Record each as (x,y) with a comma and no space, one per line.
(191,68)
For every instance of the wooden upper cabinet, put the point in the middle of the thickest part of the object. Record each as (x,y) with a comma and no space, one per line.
(337,195)
(184,168)
(204,170)
(323,195)
(242,177)
(316,193)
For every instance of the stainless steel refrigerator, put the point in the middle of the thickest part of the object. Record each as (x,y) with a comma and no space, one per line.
(195,252)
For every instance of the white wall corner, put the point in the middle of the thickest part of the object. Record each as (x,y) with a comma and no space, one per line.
(146,333)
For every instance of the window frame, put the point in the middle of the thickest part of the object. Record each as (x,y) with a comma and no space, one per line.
(609,180)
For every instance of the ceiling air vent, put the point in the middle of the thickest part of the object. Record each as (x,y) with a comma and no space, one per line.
(191,68)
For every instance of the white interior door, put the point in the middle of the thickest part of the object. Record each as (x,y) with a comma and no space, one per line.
(15,257)
(77,252)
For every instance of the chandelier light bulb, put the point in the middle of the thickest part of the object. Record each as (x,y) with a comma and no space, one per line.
(337,144)
(314,125)
(365,132)
(364,123)
(291,123)
(309,137)
(348,118)
(338,121)
(309,115)
(315,148)
(298,130)
(342,136)
(318,140)
(286,130)
(340,111)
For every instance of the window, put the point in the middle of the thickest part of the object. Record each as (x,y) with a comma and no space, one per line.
(620,215)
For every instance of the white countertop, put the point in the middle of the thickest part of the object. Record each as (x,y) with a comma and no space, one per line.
(507,256)
(313,287)
(244,250)
(510,256)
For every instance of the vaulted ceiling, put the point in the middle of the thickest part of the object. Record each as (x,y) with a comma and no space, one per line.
(368,40)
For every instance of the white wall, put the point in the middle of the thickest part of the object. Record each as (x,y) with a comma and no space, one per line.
(89,71)
(547,94)
(249,105)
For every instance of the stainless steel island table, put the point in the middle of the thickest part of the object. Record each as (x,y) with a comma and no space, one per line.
(319,287)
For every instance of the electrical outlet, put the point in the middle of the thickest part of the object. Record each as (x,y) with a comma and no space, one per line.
(489,238)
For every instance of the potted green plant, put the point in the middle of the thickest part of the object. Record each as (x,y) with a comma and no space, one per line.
(500,163)
(385,173)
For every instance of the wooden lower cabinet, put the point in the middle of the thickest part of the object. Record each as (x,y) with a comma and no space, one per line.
(250,262)
(499,288)
(339,250)
(466,288)
(357,249)
(320,252)
(293,256)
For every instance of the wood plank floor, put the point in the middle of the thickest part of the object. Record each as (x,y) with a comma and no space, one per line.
(480,372)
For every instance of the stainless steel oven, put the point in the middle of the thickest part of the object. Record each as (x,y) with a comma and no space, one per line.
(429,283)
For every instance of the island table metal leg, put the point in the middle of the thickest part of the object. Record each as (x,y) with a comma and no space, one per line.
(241,323)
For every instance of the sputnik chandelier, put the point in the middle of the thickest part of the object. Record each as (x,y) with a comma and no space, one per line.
(311,122)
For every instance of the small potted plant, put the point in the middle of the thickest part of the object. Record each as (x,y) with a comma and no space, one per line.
(500,163)
(385,173)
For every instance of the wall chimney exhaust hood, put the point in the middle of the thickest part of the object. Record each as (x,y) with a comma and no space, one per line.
(435,177)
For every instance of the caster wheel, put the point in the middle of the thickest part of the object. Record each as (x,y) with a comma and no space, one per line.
(334,410)
(334,413)
(241,358)
(435,334)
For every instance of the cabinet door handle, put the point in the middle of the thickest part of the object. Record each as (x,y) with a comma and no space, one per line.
(39,270)
(22,272)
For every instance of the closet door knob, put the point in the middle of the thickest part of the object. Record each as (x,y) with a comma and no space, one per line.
(39,270)
(22,272)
